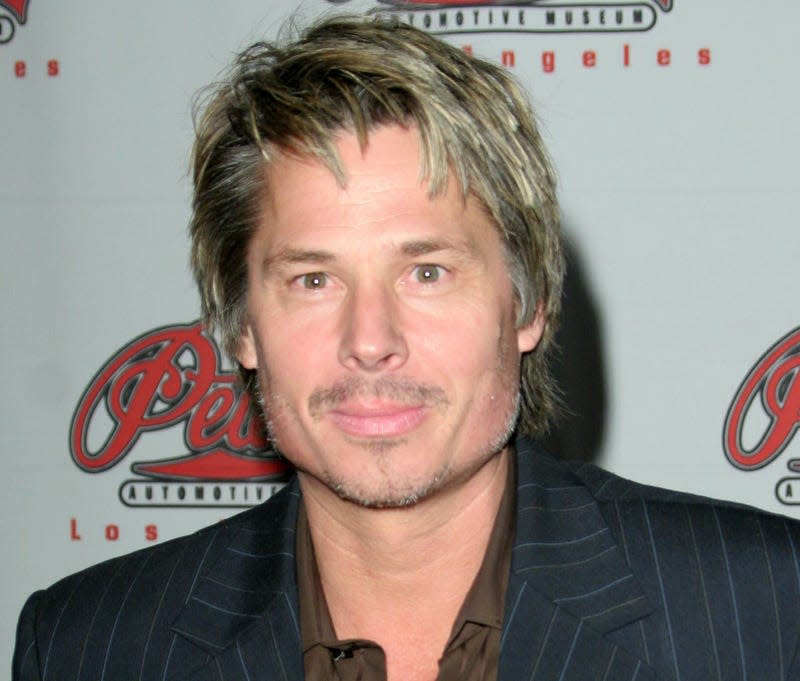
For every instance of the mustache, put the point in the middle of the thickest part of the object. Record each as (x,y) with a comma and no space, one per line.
(394,389)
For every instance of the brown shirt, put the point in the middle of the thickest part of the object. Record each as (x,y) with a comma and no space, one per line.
(471,653)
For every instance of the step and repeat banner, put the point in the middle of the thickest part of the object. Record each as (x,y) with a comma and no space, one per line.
(675,129)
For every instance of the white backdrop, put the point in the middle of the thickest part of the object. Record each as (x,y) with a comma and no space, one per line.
(678,185)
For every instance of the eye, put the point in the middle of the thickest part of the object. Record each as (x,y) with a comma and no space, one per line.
(427,274)
(314,280)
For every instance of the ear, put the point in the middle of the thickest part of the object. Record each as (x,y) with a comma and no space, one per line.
(246,352)
(528,336)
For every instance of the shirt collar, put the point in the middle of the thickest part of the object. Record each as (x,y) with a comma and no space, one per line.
(486,597)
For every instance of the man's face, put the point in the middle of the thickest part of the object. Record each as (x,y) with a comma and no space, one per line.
(382,325)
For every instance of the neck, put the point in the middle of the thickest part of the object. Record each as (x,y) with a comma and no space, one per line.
(378,565)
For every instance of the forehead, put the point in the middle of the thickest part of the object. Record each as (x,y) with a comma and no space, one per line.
(384,191)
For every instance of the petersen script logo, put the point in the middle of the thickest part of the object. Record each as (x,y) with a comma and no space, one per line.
(526,16)
(13,13)
(169,378)
(764,415)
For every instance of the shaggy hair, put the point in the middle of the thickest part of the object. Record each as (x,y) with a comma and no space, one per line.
(355,74)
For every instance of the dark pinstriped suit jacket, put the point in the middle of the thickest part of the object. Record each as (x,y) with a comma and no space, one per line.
(610,581)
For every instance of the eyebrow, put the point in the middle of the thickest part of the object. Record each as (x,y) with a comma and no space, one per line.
(290,256)
(412,249)
(421,247)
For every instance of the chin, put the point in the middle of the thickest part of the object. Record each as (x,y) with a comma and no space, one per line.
(383,473)
(390,496)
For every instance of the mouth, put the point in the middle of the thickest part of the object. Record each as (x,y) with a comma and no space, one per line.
(378,421)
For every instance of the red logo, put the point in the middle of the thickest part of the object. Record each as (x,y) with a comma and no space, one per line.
(774,380)
(19,11)
(19,8)
(166,378)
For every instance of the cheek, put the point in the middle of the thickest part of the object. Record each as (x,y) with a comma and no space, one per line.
(293,340)
(475,349)
(288,364)
(296,359)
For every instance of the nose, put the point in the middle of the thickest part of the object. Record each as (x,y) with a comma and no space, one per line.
(371,334)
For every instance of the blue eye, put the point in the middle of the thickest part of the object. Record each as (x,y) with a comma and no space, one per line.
(427,274)
(314,280)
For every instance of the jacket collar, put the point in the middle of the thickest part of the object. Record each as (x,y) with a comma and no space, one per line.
(570,585)
(242,609)
(569,588)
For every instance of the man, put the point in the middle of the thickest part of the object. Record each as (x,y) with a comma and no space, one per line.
(375,237)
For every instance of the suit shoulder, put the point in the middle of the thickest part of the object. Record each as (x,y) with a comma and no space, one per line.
(601,484)
(621,499)
(120,614)
(607,486)
(610,489)
(168,554)
(151,583)
(169,569)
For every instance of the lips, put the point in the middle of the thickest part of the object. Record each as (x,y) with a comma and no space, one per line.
(381,421)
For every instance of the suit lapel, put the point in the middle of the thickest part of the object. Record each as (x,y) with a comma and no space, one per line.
(569,586)
(242,615)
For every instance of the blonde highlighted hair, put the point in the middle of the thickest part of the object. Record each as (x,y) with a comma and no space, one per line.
(356,73)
